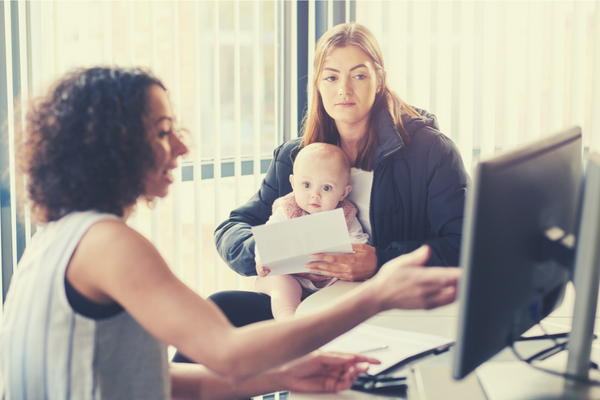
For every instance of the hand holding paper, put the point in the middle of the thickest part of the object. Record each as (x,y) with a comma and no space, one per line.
(285,247)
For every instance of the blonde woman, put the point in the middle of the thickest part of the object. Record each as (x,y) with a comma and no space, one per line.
(409,182)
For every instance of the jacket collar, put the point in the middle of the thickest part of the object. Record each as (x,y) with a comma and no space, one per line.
(390,140)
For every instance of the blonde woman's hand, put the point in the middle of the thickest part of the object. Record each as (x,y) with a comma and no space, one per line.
(356,266)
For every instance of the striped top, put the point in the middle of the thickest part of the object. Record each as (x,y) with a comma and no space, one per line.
(48,351)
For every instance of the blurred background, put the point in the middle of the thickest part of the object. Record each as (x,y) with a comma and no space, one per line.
(496,74)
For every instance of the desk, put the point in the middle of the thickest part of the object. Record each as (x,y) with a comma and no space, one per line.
(430,378)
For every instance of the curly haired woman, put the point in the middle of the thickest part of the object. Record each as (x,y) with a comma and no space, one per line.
(93,305)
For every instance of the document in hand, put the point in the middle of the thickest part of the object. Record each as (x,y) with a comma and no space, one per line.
(285,247)
(390,346)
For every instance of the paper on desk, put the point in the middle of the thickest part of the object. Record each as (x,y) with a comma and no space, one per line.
(399,345)
(285,247)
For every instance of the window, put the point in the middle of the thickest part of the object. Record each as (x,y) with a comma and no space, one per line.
(496,74)
(218,61)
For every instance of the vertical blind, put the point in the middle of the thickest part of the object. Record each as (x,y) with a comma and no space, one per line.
(496,74)
(217,59)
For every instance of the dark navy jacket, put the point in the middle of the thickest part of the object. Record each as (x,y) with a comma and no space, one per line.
(418,197)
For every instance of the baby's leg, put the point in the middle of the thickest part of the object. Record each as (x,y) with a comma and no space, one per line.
(285,292)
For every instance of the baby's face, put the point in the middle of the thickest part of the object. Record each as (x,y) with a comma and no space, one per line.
(319,184)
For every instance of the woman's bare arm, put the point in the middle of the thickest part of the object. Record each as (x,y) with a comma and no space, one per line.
(316,372)
(114,261)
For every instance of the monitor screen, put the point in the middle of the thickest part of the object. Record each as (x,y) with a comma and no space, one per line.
(509,285)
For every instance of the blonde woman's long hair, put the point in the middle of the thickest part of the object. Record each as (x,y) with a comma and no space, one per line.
(318,126)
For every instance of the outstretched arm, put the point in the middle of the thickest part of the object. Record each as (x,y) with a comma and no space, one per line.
(316,372)
(114,261)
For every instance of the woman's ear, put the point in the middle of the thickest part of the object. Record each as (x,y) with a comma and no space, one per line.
(292,180)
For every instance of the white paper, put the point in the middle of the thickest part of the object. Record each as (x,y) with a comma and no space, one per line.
(285,247)
(390,346)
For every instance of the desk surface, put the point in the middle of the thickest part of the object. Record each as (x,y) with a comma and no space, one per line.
(430,378)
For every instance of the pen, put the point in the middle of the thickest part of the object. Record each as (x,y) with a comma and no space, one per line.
(373,349)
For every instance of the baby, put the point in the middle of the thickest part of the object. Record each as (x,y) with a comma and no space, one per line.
(319,183)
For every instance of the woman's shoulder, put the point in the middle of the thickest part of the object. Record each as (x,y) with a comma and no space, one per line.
(425,133)
(107,250)
(101,234)
(111,248)
(286,152)
(113,233)
(425,123)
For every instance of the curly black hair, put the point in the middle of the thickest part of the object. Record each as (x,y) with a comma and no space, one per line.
(86,146)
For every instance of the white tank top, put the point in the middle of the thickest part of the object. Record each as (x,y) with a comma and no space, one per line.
(360,196)
(48,351)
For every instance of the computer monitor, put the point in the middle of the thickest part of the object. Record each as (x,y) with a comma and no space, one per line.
(513,274)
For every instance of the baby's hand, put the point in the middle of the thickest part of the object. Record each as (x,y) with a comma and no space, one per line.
(260,270)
